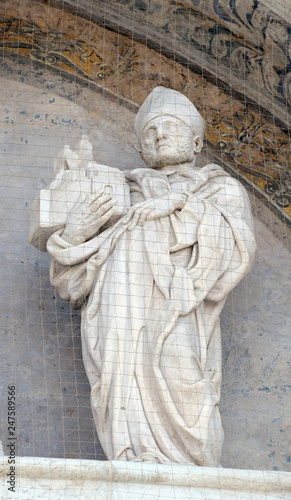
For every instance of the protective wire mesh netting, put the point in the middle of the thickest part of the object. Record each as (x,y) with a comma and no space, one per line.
(73,70)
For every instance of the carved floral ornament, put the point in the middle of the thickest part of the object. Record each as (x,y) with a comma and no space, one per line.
(242,35)
(250,144)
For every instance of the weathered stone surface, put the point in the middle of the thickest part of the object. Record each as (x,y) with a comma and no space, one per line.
(40,332)
(40,344)
(56,479)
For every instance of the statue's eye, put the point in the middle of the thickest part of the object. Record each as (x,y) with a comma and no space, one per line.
(150,132)
(170,127)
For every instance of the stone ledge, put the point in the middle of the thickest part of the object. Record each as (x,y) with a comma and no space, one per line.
(58,479)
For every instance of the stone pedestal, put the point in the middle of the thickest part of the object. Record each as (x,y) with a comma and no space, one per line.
(58,479)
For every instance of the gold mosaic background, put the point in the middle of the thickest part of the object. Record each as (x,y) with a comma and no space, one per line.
(248,142)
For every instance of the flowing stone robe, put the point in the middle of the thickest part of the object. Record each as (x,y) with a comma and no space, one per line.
(152,299)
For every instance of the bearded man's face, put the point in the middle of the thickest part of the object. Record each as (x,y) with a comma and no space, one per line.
(166,141)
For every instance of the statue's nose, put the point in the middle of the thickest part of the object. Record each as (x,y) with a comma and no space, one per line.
(160,134)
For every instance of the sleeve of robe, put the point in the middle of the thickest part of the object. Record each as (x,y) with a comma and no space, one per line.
(217,221)
(73,267)
(225,247)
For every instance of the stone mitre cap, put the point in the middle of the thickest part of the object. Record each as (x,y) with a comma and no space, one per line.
(163,101)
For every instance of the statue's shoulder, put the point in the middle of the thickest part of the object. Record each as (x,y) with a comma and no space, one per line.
(218,175)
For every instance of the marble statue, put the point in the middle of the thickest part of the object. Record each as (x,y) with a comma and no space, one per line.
(152,282)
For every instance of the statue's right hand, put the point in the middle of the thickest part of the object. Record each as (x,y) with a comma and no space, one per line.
(88,216)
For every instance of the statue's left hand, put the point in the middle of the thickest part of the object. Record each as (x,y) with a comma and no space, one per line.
(153,208)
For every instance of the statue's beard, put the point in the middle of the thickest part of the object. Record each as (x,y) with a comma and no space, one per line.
(176,156)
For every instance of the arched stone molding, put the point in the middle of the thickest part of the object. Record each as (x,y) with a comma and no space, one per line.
(242,136)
